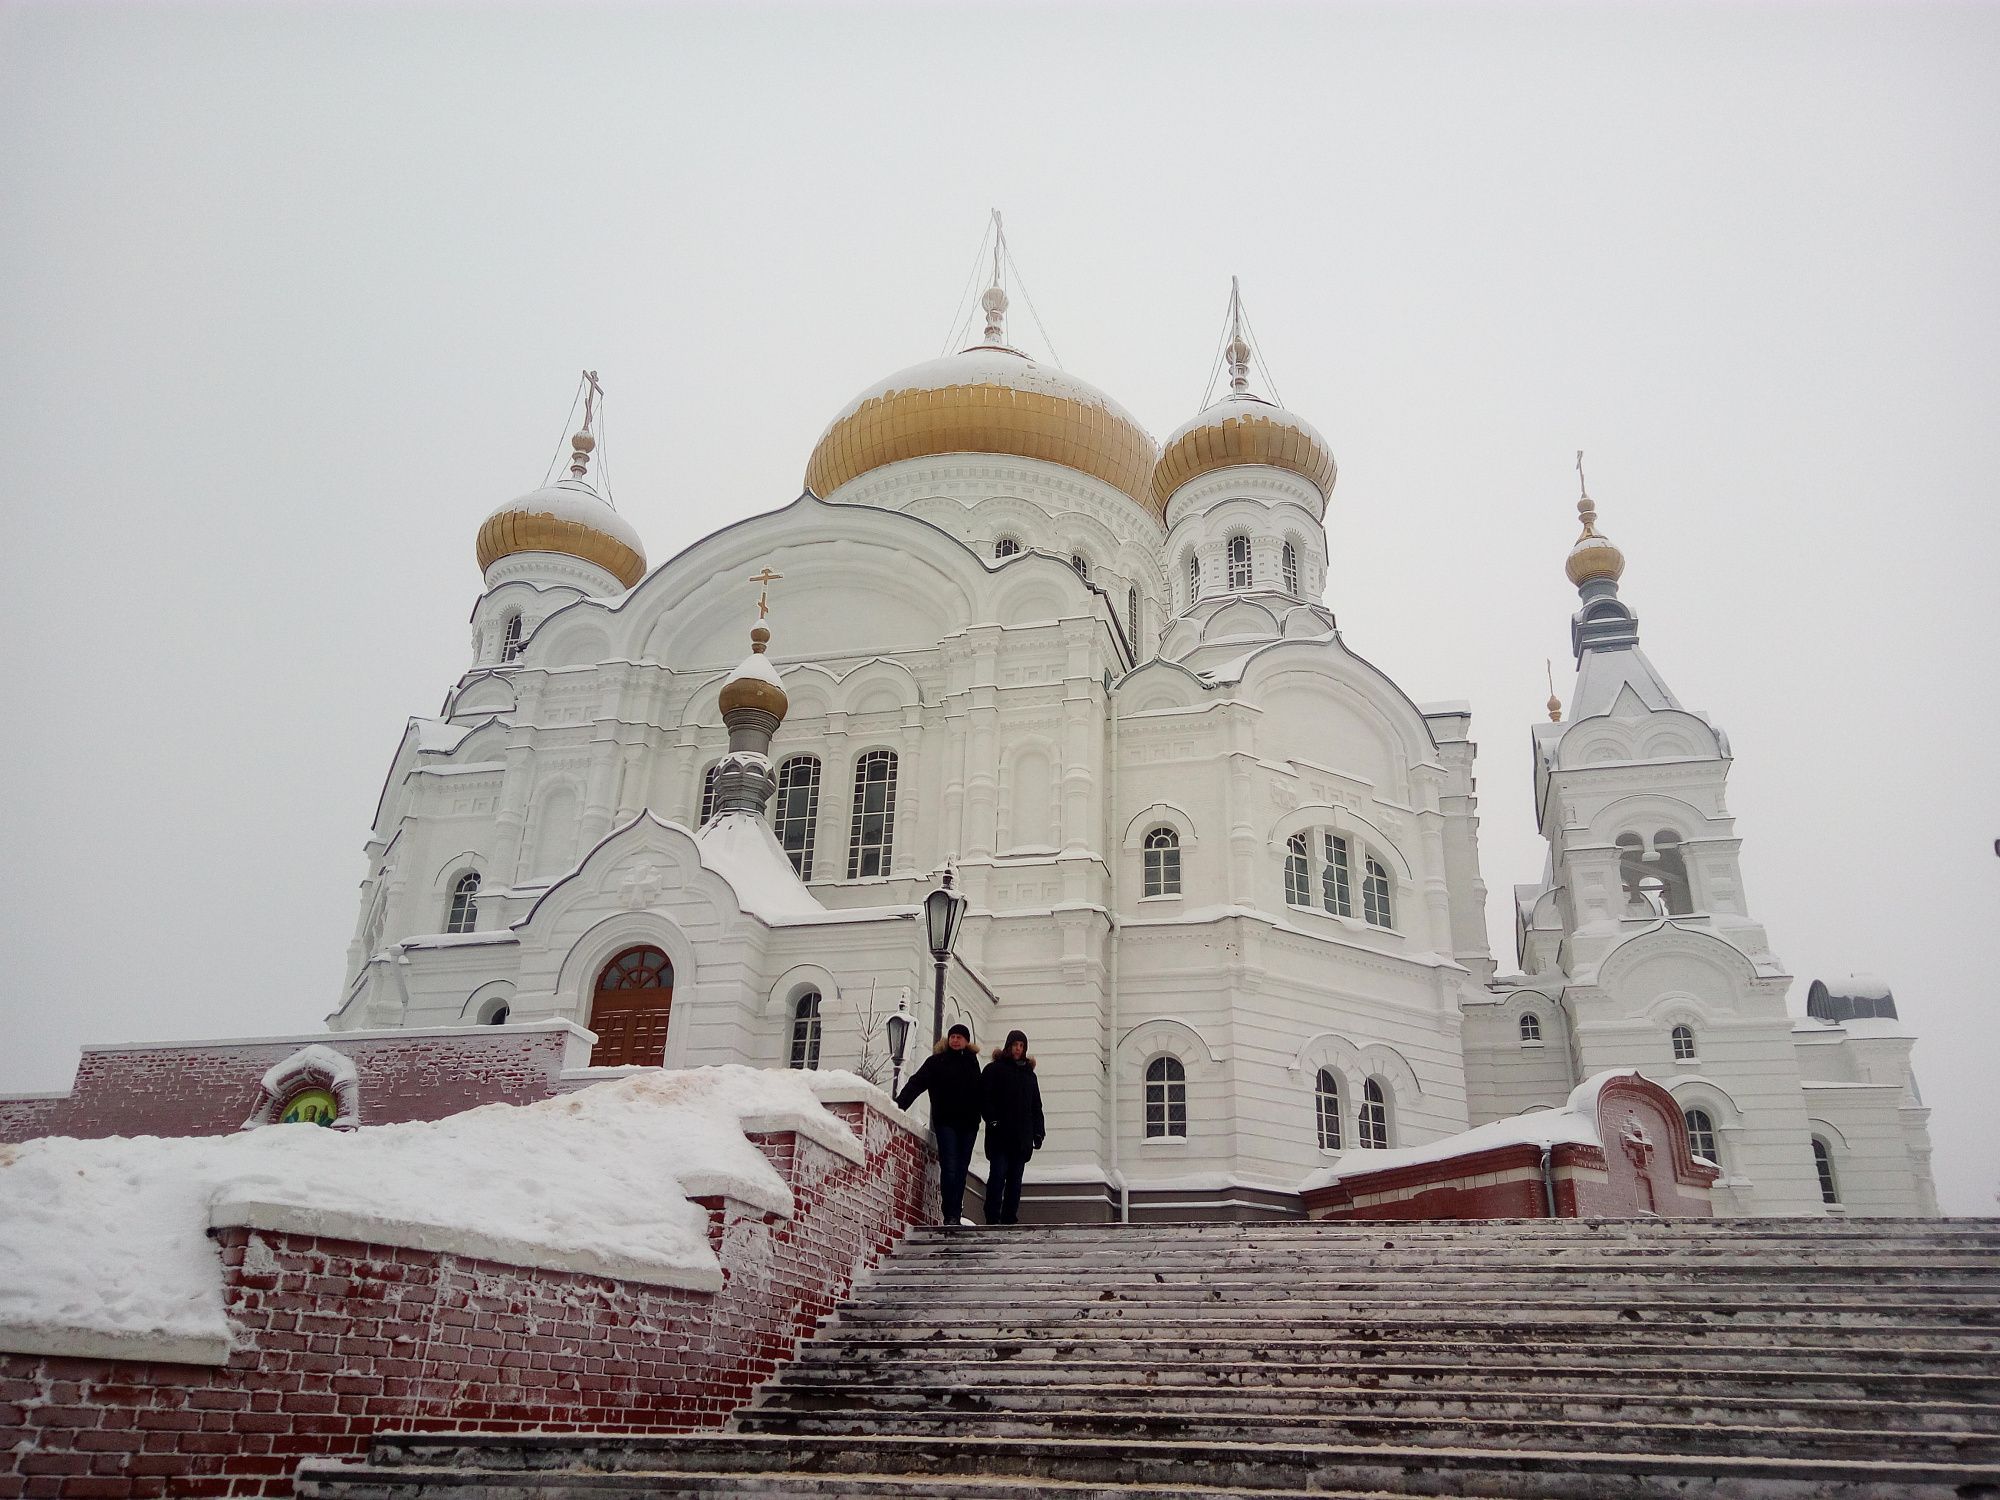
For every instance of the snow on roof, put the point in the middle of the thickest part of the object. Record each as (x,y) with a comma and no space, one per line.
(741,848)
(109,1238)
(338,1067)
(1444,706)
(436,737)
(1008,368)
(572,501)
(756,665)
(1251,408)
(1575,1124)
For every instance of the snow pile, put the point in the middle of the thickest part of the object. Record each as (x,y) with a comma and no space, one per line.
(741,848)
(1575,1124)
(108,1237)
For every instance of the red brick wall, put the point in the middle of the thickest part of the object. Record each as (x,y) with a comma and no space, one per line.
(209,1088)
(337,1340)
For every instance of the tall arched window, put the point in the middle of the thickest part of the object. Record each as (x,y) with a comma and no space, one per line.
(1829,1190)
(1006,546)
(1194,577)
(797,810)
(805,1031)
(1375,895)
(464,913)
(1326,1104)
(635,993)
(1684,1044)
(1239,561)
(1163,862)
(1531,1026)
(1298,872)
(1132,618)
(1078,562)
(1373,1119)
(1290,560)
(708,795)
(1166,1099)
(1701,1135)
(510,638)
(1334,892)
(872,833)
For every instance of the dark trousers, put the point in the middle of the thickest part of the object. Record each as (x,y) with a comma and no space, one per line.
(1003,1185)
(954,1148)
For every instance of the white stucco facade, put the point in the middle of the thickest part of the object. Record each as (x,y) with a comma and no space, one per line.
(1032,645)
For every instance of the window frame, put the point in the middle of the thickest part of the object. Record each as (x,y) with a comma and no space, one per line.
(1288,564)
(1704,1140)
(512,631)
(1238,569)
(1161,856)
(1326,1110)
(807,1031)
(1194,576)
(706,808)
(1531,1028)
(870,860)
(1682,1040)
(1371,1121)
(1166,1074)
(462,915)
(1298,870)
(784,822)
(1378,907)
(1006,546)
(1829,1181)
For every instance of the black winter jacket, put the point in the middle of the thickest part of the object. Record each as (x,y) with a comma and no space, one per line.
(1012,1104)
(952,1080)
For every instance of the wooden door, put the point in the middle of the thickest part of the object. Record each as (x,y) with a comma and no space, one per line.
(635,993)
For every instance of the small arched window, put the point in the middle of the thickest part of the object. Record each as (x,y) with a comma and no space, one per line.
(1166,1099)
(1290,561)
(805,1031)
(1373,1119)
(1163,862)
(1298,872)
(1701,1135)
(1239,561)
(1194,577)
(464,913)
(1006,546)
(1829,1190)
(510,638)
(872,832)
(1375,896)
(1076,561)
(797,810)
(1326,1105)
(1531,1026)
(1684,1044)
(708,795)
(1132,618)
(498,1015)
(1333,884)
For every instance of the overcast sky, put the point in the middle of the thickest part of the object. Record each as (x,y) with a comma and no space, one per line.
(291,296)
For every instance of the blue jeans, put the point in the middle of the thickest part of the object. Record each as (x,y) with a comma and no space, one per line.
(1003,1185)
(954,1149)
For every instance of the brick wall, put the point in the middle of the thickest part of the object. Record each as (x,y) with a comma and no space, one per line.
(337,1340)
(210,1088)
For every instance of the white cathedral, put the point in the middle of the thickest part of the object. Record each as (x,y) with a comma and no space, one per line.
(1221,870)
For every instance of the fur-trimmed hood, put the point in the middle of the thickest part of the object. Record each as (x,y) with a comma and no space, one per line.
(1000,1053)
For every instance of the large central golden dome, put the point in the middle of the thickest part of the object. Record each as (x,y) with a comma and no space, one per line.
(988,399)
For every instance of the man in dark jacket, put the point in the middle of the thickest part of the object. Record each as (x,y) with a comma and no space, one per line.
(1011,1101)
(950,1076)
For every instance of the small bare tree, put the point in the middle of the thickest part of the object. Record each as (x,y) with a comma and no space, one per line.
(871,1016)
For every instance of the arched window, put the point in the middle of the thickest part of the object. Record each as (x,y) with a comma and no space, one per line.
(1375,896)
(1132,618)
(805,1031)
(1239,561)
(1166,1099)
(1163,862)
(1531,1026)
(1829,1190)
(1077,562)
(872,833)
(708,795)
(1194,577)
(1701,1135)
(1656,882)
(635,992)
(1298,872)
(1684,1044)
(1006,546)
(1290,559)
(498,1015)
(510,638)
(797,811)
(1373,1119)
(1334,894)
(1326,1103)
(464,913)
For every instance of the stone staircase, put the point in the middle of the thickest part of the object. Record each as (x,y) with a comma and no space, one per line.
(1756,1358)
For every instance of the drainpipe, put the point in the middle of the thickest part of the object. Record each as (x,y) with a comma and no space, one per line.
(1549,1179)
(1117,859)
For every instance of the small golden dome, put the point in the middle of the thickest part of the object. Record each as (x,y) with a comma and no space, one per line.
(1593,556)
(570,518)
(986,400)
(755,683)
(1242,429)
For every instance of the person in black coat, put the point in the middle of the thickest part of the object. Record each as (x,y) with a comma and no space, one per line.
(950,1075)
(1011,1101)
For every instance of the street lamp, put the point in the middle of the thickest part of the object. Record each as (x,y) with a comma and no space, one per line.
(898,1027)
(944,909)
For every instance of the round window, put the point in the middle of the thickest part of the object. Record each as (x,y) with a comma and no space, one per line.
(310,1107)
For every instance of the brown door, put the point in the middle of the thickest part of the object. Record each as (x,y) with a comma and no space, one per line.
(629,1011)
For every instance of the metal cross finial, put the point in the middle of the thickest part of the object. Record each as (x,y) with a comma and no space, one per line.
(994,299)
(1555,703)
(1586,507)
(1238,352)
(1582,489)
(593,393)
(766,579)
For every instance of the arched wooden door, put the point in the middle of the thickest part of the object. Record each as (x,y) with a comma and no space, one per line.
(635,991)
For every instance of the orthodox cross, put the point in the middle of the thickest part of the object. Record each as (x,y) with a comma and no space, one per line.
(1582,489)
(593,393)
(765,579)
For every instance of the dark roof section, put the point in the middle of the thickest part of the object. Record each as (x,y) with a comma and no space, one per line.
(1856,999)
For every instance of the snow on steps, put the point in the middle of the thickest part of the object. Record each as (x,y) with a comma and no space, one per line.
(1853,1360)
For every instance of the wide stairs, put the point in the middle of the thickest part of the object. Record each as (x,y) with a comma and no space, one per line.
(1543,1358)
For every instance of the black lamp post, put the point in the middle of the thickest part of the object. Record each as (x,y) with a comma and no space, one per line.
(944,909)
(898,1027)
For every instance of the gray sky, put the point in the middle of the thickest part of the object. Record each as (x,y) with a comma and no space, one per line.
(291,296)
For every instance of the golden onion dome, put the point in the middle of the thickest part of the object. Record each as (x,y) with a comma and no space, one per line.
(987,399)
(1242,429)
(1593,556)
(570,518)
(755,683)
